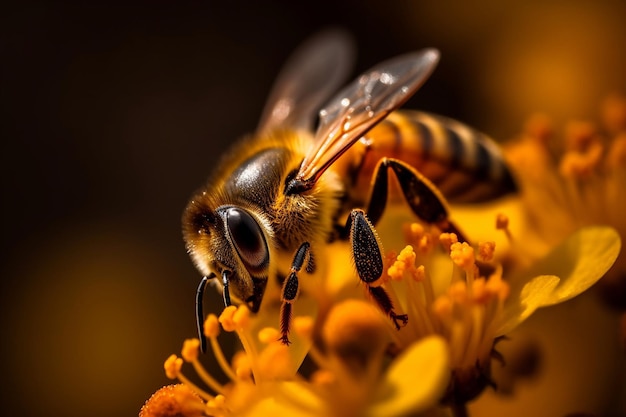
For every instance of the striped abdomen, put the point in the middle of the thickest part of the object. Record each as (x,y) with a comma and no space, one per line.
(463,163)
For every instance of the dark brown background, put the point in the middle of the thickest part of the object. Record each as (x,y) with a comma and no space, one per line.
(111,115)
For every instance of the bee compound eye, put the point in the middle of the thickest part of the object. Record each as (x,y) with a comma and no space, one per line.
(247,236)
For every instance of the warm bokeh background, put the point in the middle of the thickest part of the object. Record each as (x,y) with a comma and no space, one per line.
(112,115)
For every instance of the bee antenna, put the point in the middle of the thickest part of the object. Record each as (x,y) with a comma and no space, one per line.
(200,312)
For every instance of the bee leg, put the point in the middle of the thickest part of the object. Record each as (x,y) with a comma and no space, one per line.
(368,260)
(290,288)
(425,200)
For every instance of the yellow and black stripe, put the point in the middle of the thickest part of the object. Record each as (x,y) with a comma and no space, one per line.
(463,163)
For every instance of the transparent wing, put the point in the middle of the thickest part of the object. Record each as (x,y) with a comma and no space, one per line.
(360,106)
(314,72)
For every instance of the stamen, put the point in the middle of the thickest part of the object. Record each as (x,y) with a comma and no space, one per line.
(212,331)
(462,254)
(217,406)
(531,152)
(211,326)
(465,313)
(496,286)
(323,377)
(404,262)
(395,271)
(407,256)
(413,232)
(458,292)
(502,223)
(420,274)
(426,244)
(429,291)
(268,335)
(303,326)
(480,295)
(616,157)
(226,318)
(242,366)
(190,351)
(274,362)
(172,366)
(447,239)
(579,135)
(581,164)
(237,320)
(190,348)
(419,298)
(442,307)
(614,113)
(539,127)
(458,338)
(241,318)
(486,251)
(472,354)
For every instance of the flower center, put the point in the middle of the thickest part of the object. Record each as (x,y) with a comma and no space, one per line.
(450,289)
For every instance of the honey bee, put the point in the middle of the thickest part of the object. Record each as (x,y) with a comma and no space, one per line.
(284,192)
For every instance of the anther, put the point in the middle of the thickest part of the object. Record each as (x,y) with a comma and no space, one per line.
(486,251)
(447,239)
(241,318)
(190,350)
(268,335)
(172,366)
(211,326)
(462,255)
(303,326)
(226,319)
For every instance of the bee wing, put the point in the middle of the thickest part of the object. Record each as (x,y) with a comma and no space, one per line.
(310,76)
(360,106)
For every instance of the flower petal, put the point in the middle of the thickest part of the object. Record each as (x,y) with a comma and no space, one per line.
(575,265)
(286,399)
(415,380)
(524,300)
(581,261)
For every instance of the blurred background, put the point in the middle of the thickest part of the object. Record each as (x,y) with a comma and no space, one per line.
(112,115)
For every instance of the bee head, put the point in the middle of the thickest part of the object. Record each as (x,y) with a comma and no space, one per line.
(231,240)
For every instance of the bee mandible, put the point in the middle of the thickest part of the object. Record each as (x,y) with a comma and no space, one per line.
(282,194)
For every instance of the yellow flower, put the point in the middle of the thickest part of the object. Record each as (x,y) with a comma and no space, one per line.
(459,301)
(459,292)
(573,179)
(353,377)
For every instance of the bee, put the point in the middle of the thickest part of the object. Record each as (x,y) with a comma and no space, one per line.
(284,193)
